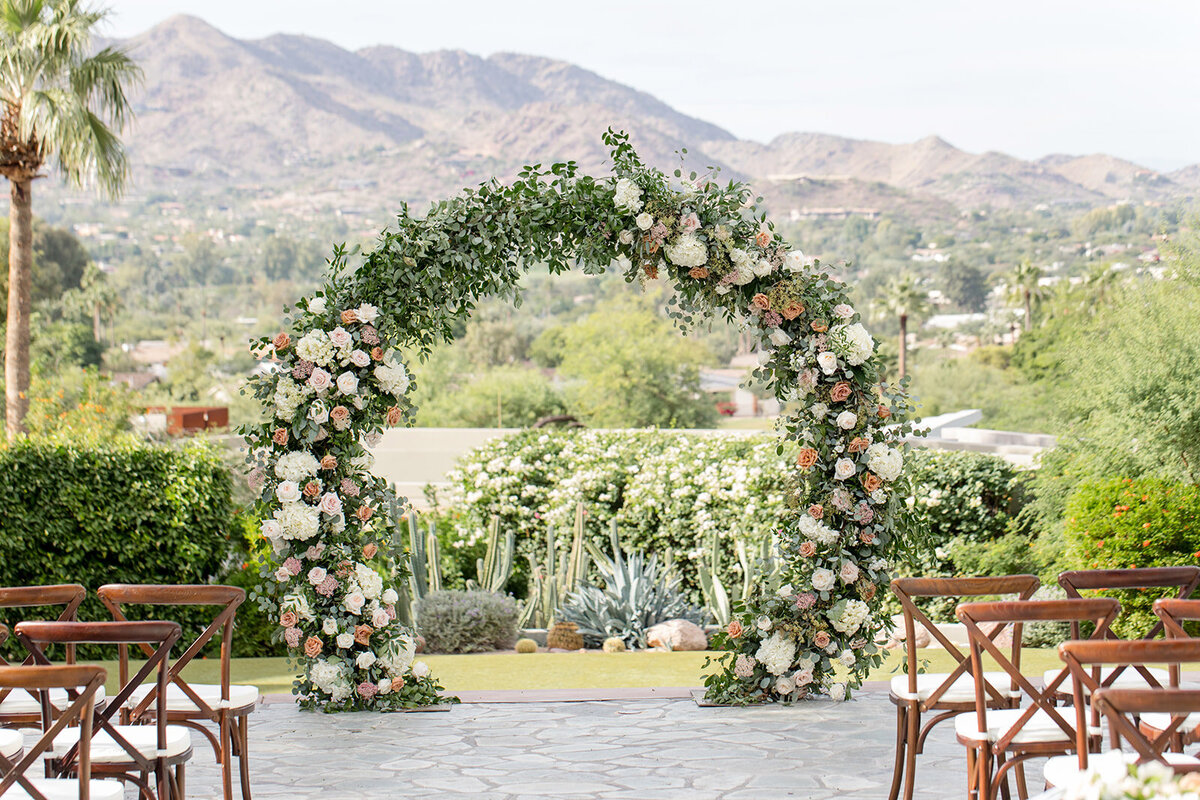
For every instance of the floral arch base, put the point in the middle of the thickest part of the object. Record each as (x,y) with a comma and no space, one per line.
(341,381)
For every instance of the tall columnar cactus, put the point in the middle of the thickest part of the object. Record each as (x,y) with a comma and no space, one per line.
(717,598)
(425,560)
(496,567)
(553,579)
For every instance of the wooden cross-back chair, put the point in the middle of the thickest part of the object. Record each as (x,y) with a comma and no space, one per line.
(15,760)
(18,707)
(1183,579)
(1002,740)
(944,694)
(226,705)
(126,752)
(1173,613)
(1126,709)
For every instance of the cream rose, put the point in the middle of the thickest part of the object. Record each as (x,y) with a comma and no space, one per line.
(827,361)
(354,602)
(823,579)
(644,221)
(287,491)
(359,358)
(847,420)
(330,503)
(320,379)
(347,383)
(340,338)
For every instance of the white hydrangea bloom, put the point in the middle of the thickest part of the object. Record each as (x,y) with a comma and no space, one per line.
(886,462)
(776,653)
(627,195)
(296,465)
(315,346)
(299,521)
(687,251)
(854,343)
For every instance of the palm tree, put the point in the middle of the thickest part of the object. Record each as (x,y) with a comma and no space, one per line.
(1025,288)
(62,106)
(903,298)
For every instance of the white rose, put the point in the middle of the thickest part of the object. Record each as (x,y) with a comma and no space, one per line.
(785,591)
(318,412)
(779,337)
(354,602)
(380,618)
(803,678)
(844,468)
(340,338)
(837,692)
(843,311)
(366,313)
(625,237)
(794,261)
(317,305)
(847,420)
(823,579)
(272,530)
(359,358)
(385,686)
(345,640)
(347,383)
(329,627)
(316,576)
(389,596)
(827,361)
(621,263)
(365,660)
(763,268)
(282,575)
(849,572)
(420,669)
(784,685)
(763,623)
(330,503)
(627,195)
(287,491)
(645,221)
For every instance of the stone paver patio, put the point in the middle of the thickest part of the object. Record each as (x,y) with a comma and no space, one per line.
(613,750)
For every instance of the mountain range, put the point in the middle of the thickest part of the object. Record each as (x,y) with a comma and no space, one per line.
(293,121)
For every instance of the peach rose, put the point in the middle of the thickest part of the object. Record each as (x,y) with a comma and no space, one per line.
(281,342)
(288,619)
(349,316)
(792,310)
(807,458)
(871,481)
(652,246)
(808,549)
(377,353)
(820,325)
(651,271)
(840,392)
(884,412)
(857,445)
(762,301)
(866,537)
(821,640)
(369,550)
(734,629)
(763,237)
(698,272)
(867,592)
(816,511)
(329,461)
(362,634)
(312,489)
(280,436)
(312,647)
(338,415)
(394,415)
(364,513)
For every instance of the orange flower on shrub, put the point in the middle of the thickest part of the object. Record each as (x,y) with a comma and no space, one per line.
(698,272)
(362,634)
(761,301)
(312,647)
(871,481)
(807,458)
(792,310)
(840,392)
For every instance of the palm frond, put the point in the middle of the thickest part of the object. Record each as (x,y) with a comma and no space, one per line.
(104,79)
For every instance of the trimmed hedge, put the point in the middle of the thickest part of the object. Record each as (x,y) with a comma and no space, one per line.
(1122,523)
(118,512)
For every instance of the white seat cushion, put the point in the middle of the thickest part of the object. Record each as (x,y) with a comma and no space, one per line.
(1130,678)
(210,693)
(11,742)
(67,789)
(961,691)
(1159,721)
(1040,728)
(106,750)
(1062,770)
(20,701)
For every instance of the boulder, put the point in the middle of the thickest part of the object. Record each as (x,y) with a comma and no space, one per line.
(895,637)
(677,634)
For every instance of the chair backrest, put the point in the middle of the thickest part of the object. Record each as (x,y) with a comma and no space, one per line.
(68,595)
(161,635)
(1172,613)
(116,595)
(82,681)
(1120,706)
(907,589)
(1100,610)
(1184,579)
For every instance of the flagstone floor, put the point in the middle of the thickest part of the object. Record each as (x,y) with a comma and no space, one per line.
(613,750)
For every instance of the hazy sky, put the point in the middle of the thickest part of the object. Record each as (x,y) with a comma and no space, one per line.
(1028,78)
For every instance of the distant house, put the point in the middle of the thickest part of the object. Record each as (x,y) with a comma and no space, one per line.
(137,381)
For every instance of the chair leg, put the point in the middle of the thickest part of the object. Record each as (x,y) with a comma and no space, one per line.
(1022,787)
(225,723)
(913,734)
(983,763)
(972,775)
(901,738)
(1005,792)
(244,755)
(181,780)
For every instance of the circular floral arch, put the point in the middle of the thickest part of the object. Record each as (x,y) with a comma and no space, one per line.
(340,382)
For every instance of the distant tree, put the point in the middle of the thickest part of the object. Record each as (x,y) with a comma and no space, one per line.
(966,285)
(1024,287)
(904,299)
(505,396)
(59,261)
(496,341)
(63,104)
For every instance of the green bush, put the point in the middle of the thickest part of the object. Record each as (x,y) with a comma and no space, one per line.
(467,622)
(114,513)
(1123,523)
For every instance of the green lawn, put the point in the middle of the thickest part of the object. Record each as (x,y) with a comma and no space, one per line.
(591,670)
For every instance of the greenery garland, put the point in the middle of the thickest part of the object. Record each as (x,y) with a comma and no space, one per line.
(340,380)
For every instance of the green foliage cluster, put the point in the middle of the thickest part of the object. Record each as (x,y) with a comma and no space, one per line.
(116,512)
(467,621)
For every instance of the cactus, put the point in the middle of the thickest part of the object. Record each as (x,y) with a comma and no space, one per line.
(496,567)
(556,576)
(716,596)
(614,644)
(564,636)
(425,561)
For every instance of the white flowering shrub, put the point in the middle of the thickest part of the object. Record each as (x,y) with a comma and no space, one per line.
(340,380)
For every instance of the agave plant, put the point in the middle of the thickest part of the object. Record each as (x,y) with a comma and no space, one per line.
(637,594)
